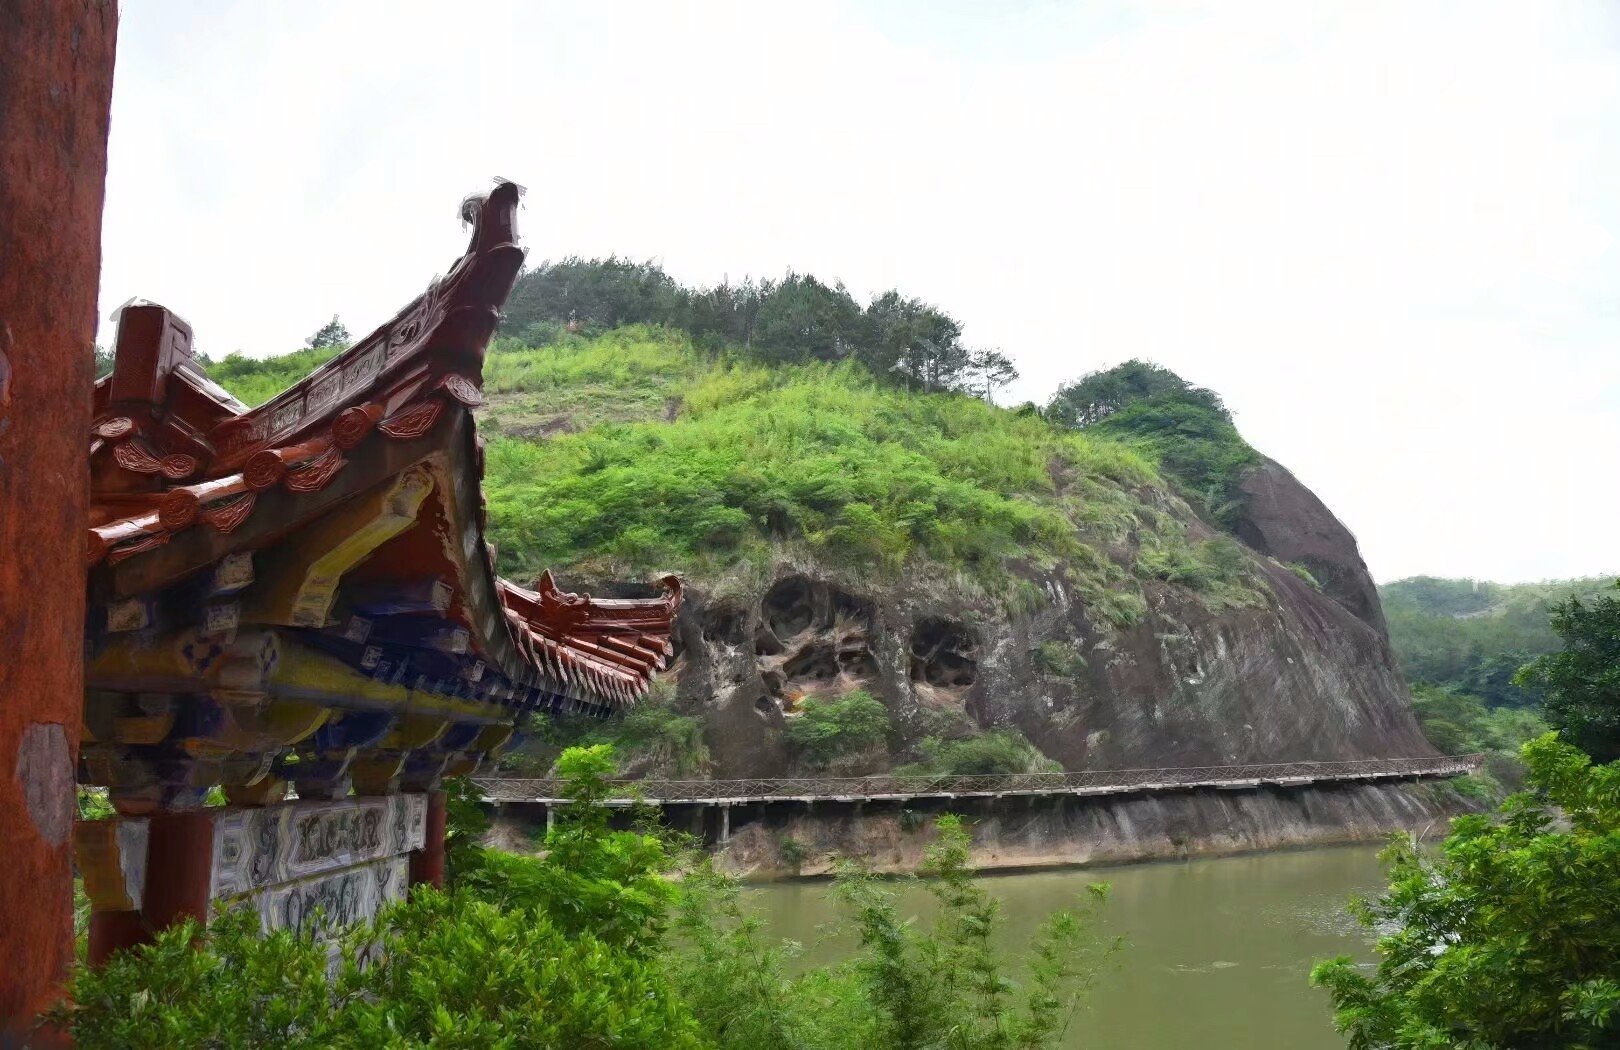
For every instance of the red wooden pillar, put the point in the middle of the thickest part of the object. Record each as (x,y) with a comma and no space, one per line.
(427,863)
(56,62)
(114,931)
(179,873)
(179,866)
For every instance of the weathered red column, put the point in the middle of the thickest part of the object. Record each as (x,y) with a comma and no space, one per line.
(427,863)
(112,932)
(56,63)
(179,867)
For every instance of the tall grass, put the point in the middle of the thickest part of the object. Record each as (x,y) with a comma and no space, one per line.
(860,472)
(659,455)
(255,380)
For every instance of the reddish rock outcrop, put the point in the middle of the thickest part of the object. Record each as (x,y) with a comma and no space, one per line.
(1282,518)
(1279,669)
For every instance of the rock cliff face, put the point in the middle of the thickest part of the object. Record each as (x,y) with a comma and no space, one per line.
(1284,519)
(1014,834)
(1294,673)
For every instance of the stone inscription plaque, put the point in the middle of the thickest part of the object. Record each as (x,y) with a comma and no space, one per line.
(327,903)
(259,848)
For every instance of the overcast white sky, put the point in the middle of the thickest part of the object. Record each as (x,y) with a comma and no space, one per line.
(1384,232)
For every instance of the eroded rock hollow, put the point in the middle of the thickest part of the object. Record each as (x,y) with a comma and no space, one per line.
(1303,670)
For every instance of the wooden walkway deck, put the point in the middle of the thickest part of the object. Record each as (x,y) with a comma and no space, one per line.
(905,788)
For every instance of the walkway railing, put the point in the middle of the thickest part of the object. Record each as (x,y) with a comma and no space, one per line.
(1079,782)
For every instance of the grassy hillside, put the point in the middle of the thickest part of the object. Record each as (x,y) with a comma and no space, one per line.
(634,451)
(257,380)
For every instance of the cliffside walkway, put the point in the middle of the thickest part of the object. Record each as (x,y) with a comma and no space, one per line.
(728,793)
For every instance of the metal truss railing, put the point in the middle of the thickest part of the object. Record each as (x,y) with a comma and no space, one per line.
(1083,781)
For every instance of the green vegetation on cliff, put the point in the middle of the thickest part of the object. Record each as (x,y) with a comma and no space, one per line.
(1185,428)
(637,450)
(823,457)
(827,729)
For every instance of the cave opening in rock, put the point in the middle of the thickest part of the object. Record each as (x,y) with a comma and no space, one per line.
(725,625)
(789,607)
(766,643)
(856,660)
(944,653)
(850,609)
(818,663)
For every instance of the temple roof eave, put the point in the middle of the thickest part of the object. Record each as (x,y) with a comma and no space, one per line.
(186,475)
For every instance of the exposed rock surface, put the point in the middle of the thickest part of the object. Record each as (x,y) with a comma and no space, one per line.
(1282,518)
(1020,833)
(1298,673)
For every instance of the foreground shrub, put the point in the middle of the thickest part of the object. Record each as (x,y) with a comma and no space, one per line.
(457,971)
(463,972)
(906,986)
(1510,936)
(591,880)
(592,944)
(1581,681)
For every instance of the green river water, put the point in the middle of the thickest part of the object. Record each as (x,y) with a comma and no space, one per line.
(1217,950)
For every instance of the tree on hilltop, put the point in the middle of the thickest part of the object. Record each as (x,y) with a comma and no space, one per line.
(1100,394)
(802,319)
(920,343)
(602,293)
(331,334)
(989,370)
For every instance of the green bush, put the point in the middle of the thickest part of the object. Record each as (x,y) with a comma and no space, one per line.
(906,986)
(1509,936)
(1300,569)
(1216,568)
(593,944)
(458,971)
(1059,659)
(1185,428)
(671,740)
(651,735)
(998,751)
(794,853)
(590,878)
(1581,680)
(1480,787)
(826,729)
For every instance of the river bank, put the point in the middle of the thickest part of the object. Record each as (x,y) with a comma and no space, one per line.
(762,843)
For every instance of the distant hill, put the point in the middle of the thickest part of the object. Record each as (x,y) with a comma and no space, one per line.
(1470,636)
